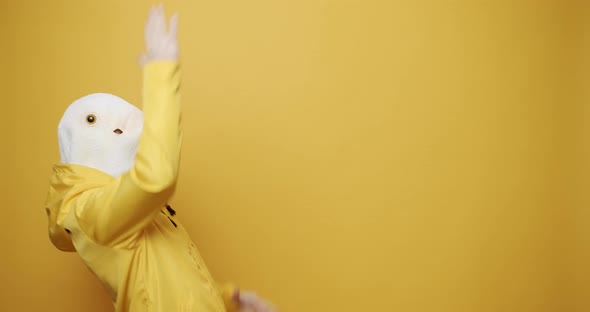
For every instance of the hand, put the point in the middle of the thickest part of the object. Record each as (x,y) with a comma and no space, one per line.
(161,44)
(249,301)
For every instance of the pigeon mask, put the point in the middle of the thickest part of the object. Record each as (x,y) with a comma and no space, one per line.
(100,131)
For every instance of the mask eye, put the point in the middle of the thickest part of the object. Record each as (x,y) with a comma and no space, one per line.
(91,119)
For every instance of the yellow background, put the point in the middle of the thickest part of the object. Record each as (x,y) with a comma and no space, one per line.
(339,155)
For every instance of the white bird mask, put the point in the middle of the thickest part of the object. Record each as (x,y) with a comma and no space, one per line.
(100,131)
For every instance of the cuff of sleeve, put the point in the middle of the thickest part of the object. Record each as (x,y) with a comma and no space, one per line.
(227,292)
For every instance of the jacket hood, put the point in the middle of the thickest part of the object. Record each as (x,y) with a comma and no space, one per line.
(66,182)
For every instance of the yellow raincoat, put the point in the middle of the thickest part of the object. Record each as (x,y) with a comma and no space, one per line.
(121,227)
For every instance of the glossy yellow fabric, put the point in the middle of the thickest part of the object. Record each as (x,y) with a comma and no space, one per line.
(120,226)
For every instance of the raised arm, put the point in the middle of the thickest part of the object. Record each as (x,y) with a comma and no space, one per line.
(116,213)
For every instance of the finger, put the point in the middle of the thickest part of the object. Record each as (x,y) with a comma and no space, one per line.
(153,13)
(249,298)
(149,25)
(173,28)
(160,22)
(271,307)
(261,306)
(266,306)
(150,17)
(256,305)
(162,13)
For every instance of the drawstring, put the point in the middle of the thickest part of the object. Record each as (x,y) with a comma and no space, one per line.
(170,210)
(172,213)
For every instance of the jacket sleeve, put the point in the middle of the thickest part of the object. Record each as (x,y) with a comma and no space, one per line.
(116,213)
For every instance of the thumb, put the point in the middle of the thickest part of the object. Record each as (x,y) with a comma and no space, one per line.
(143,59)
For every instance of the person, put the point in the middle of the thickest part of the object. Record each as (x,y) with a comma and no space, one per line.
(108,194)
